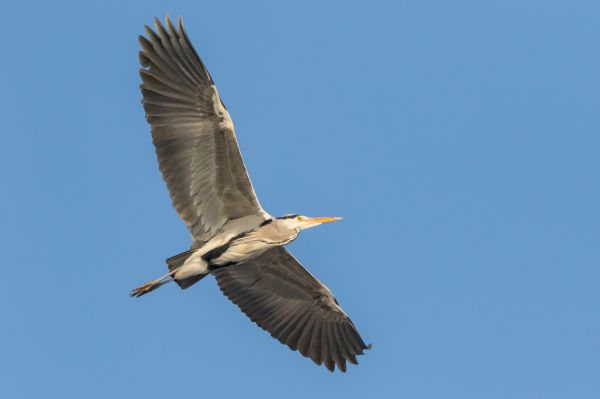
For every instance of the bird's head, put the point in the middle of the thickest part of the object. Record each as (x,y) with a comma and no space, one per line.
(300,222)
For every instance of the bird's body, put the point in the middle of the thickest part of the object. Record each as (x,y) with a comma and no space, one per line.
(250,244)
(230,249)
(233,238)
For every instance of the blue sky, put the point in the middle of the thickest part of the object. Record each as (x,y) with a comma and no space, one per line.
(459,140)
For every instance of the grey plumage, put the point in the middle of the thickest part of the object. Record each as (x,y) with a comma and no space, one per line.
(274,290)
(193,135)
(233,238)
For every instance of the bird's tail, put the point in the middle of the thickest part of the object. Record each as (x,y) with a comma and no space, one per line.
(174,262)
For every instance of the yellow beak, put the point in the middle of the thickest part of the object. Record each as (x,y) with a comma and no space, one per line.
(325,219)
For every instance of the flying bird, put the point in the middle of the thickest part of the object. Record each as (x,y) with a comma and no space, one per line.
(233,238)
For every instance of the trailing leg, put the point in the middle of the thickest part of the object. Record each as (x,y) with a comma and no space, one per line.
(152,285)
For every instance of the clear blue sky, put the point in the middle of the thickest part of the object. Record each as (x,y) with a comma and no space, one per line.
(459,140)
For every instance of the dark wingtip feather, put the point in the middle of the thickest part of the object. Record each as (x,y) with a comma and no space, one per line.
(162,32)
(315,343)
(170,26)
(149,32)
(180,24)
(158,24)
(330,364)
(306,336)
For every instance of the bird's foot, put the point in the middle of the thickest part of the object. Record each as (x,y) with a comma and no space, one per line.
(145,288)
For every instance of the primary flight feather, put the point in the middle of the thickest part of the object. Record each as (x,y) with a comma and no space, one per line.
(233,238)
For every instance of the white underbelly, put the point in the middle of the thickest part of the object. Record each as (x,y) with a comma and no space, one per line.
(241,252)
(194,265)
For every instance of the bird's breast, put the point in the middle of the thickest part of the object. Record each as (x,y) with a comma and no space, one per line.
(248,245)
(238,252)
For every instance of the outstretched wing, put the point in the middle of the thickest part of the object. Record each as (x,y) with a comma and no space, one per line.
(282,297)
(193,134)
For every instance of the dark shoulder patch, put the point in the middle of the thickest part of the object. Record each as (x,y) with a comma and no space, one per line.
(266,222)
(216,252)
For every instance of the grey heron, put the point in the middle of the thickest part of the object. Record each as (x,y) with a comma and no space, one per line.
(233,238)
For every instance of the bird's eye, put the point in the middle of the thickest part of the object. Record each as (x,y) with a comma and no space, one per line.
(299,218)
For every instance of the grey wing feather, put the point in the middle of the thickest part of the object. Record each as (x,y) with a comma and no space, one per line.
(193,134)
(282,297)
